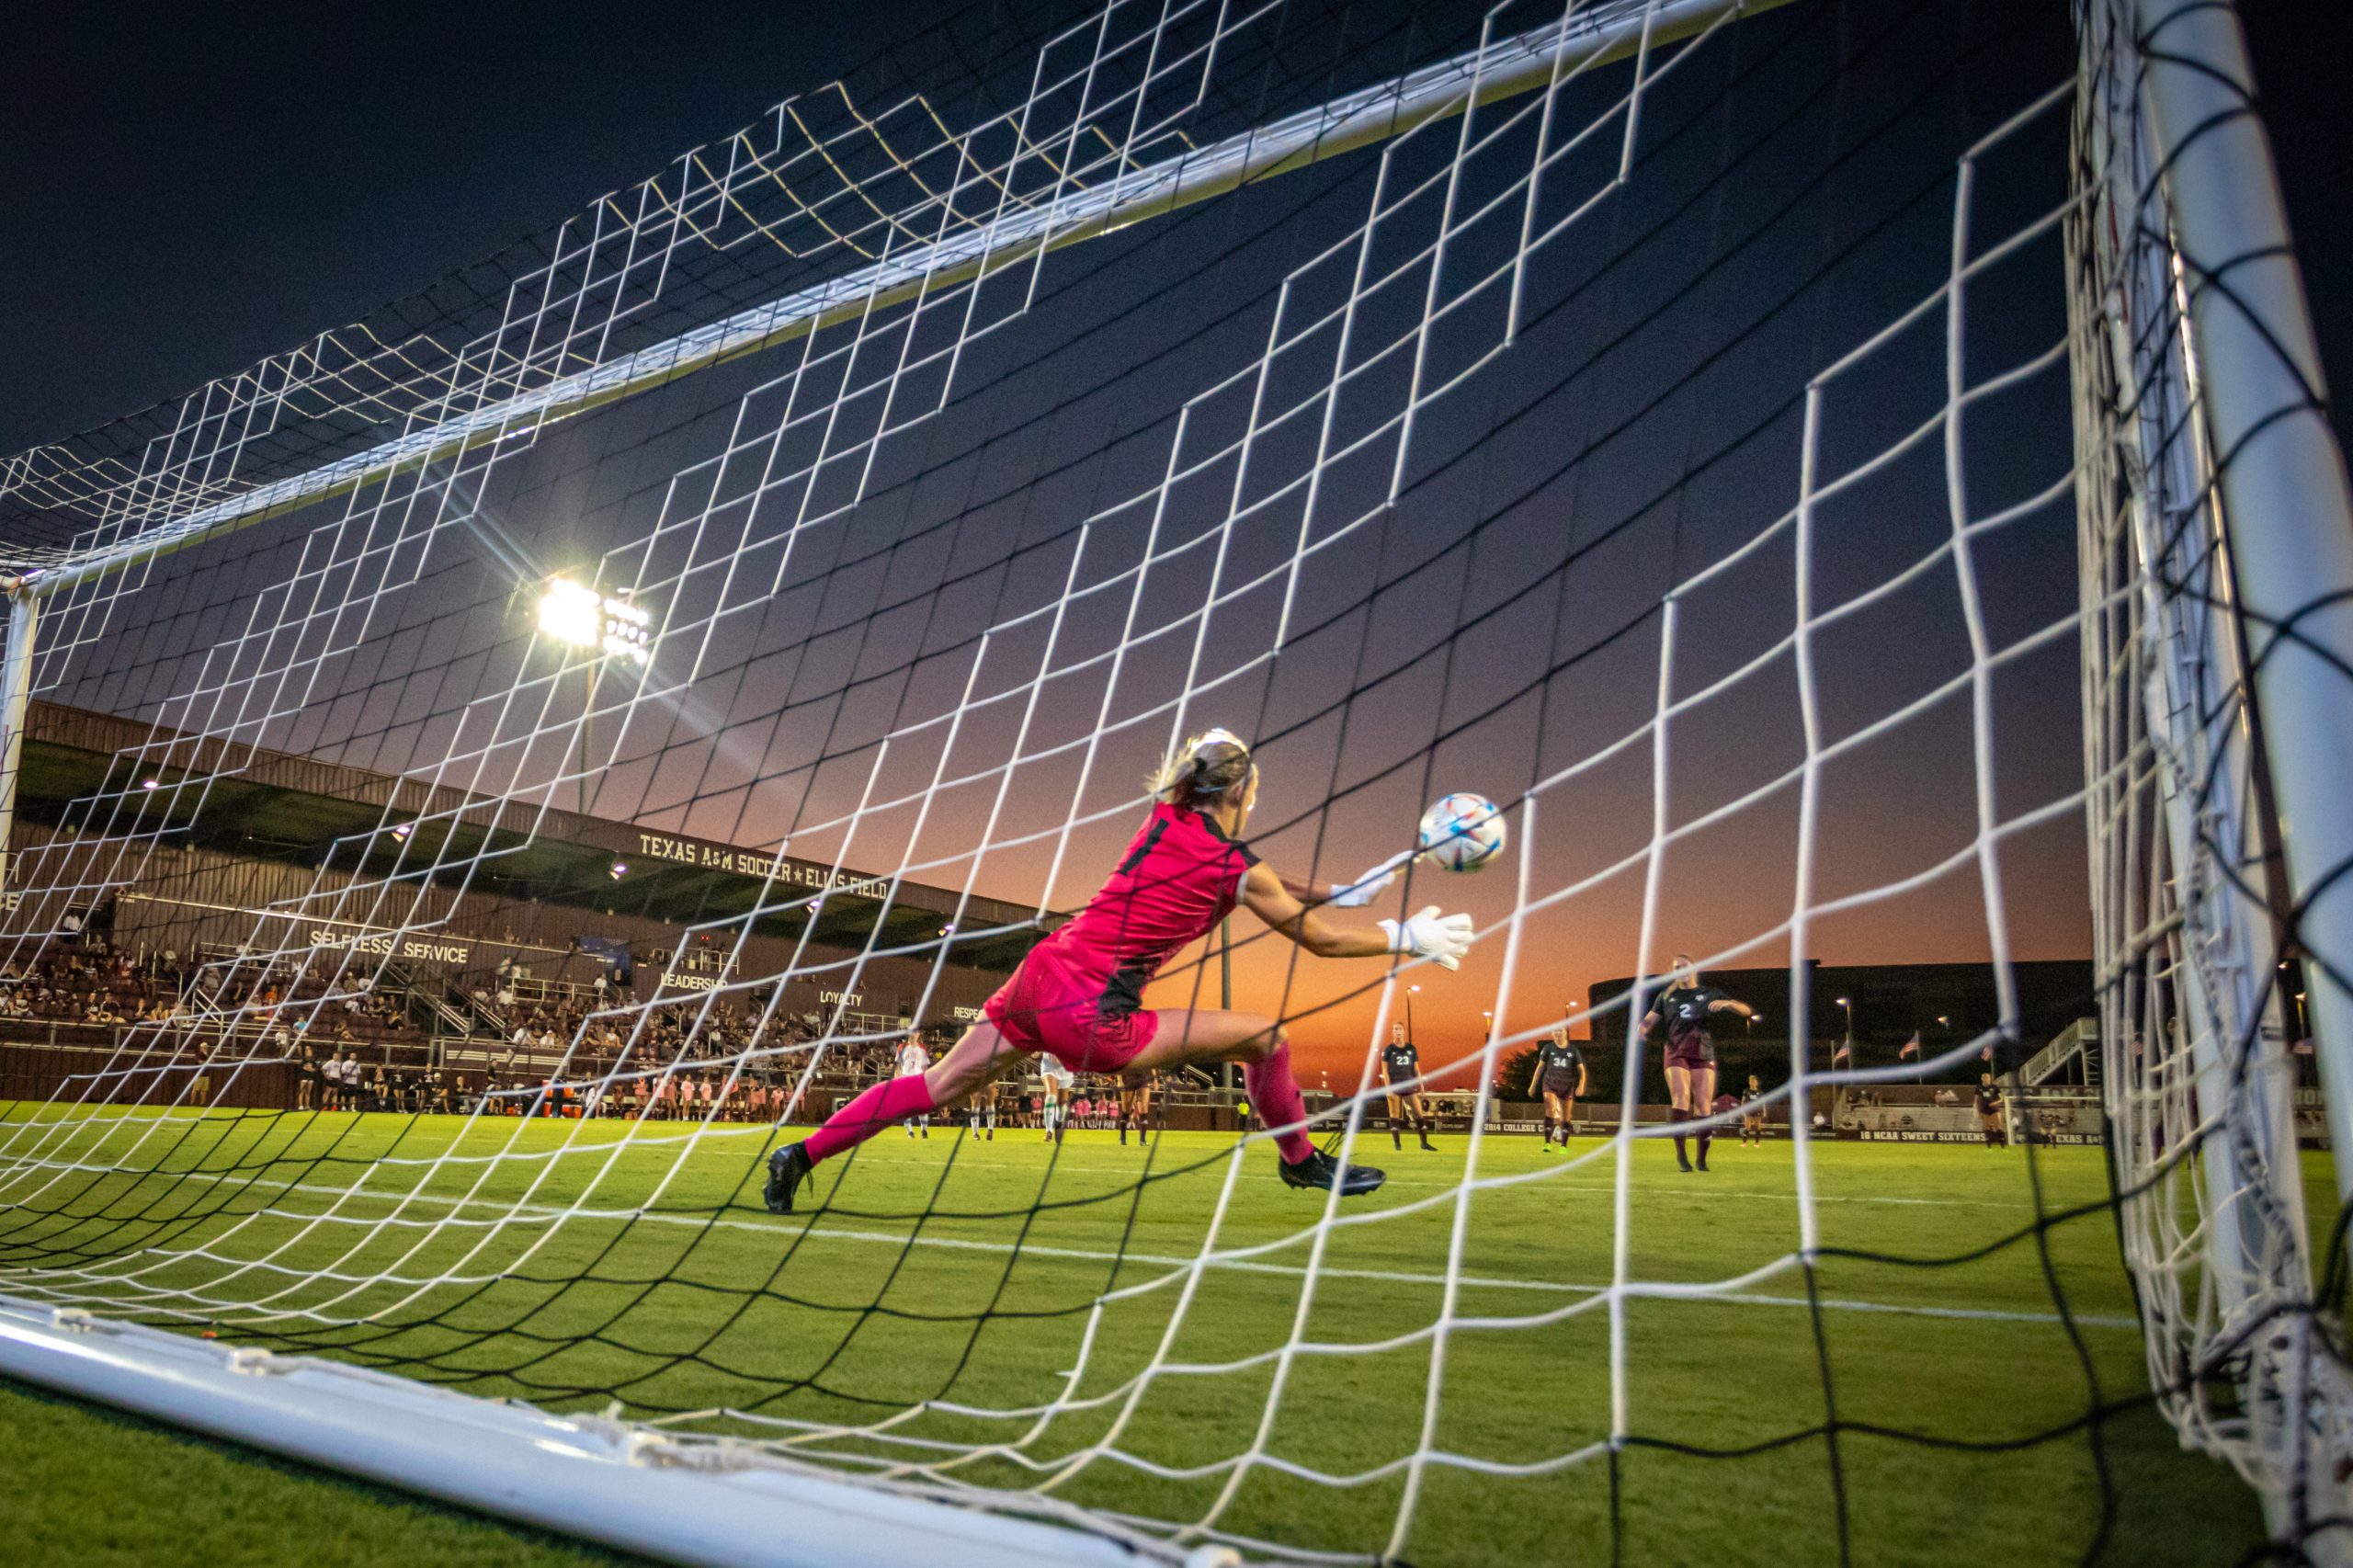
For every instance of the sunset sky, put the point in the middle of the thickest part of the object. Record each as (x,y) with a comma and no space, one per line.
(1018,569)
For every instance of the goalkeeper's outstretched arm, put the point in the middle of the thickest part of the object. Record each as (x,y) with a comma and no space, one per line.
(1443,939)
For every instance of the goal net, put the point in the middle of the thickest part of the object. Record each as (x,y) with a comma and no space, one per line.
(477,782)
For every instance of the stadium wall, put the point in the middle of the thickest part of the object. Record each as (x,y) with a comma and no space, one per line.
(1892,1001)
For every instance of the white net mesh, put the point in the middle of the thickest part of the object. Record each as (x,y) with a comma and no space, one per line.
(1654,417)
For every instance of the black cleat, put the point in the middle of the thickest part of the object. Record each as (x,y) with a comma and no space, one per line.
(1682,1163)
(1703,1165)
(787,1166)
(1319,1169)
(1428,1146)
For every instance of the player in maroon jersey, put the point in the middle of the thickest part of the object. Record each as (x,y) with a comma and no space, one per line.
(1685,1006)
(1079,993)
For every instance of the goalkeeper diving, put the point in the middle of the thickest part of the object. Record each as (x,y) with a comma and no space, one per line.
(1079,993)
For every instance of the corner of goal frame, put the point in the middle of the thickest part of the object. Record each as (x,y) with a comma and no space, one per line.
(578,1475)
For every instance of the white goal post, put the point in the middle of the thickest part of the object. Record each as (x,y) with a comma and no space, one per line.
(2215,507)
(574,1474)
(2215,621)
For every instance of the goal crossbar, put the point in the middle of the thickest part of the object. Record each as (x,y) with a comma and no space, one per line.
(1498,69)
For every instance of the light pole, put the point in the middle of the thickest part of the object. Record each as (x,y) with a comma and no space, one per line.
(1225,988)
(579,617)
(1410,992)
(1847,1004)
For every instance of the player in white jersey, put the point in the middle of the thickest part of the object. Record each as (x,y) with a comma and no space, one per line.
(914,1062)
(980,1111)
(1056,1080)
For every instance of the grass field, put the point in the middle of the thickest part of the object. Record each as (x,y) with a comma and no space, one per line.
(948,1271)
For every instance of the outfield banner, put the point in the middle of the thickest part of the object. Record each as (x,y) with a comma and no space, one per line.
(1920,1135)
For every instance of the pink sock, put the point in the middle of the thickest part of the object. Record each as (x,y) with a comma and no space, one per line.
(884,1104)
(1276,1094)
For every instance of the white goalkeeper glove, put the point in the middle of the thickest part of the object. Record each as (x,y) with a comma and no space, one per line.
(1367,887)
(1429,934)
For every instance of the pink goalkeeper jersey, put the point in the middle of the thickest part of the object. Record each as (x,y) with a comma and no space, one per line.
(1178,879)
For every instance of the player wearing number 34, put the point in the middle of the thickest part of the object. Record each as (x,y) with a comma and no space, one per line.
(1079,993)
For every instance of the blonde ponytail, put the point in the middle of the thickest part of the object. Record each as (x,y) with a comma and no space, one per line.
(1204,767)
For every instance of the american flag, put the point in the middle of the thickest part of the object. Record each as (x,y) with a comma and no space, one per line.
(1911,1050)
(1845,1050)
(1986,1054)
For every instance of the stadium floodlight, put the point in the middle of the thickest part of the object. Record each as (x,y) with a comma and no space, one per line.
(2175,340)
(579,617)
(616,627)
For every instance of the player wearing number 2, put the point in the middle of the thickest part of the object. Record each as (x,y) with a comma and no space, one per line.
(1079,993)
(1685,1005)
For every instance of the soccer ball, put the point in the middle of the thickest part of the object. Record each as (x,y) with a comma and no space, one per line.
(1462,833)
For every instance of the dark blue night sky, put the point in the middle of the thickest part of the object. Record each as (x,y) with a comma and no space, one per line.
(195,198)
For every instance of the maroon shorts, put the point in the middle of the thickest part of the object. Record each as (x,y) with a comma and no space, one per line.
(1041,1009)
(1690,1059)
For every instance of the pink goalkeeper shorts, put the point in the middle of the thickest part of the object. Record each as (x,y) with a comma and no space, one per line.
(1041,1009)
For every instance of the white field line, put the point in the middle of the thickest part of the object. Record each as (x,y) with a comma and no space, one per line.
(1162,1172)
(534,1213)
